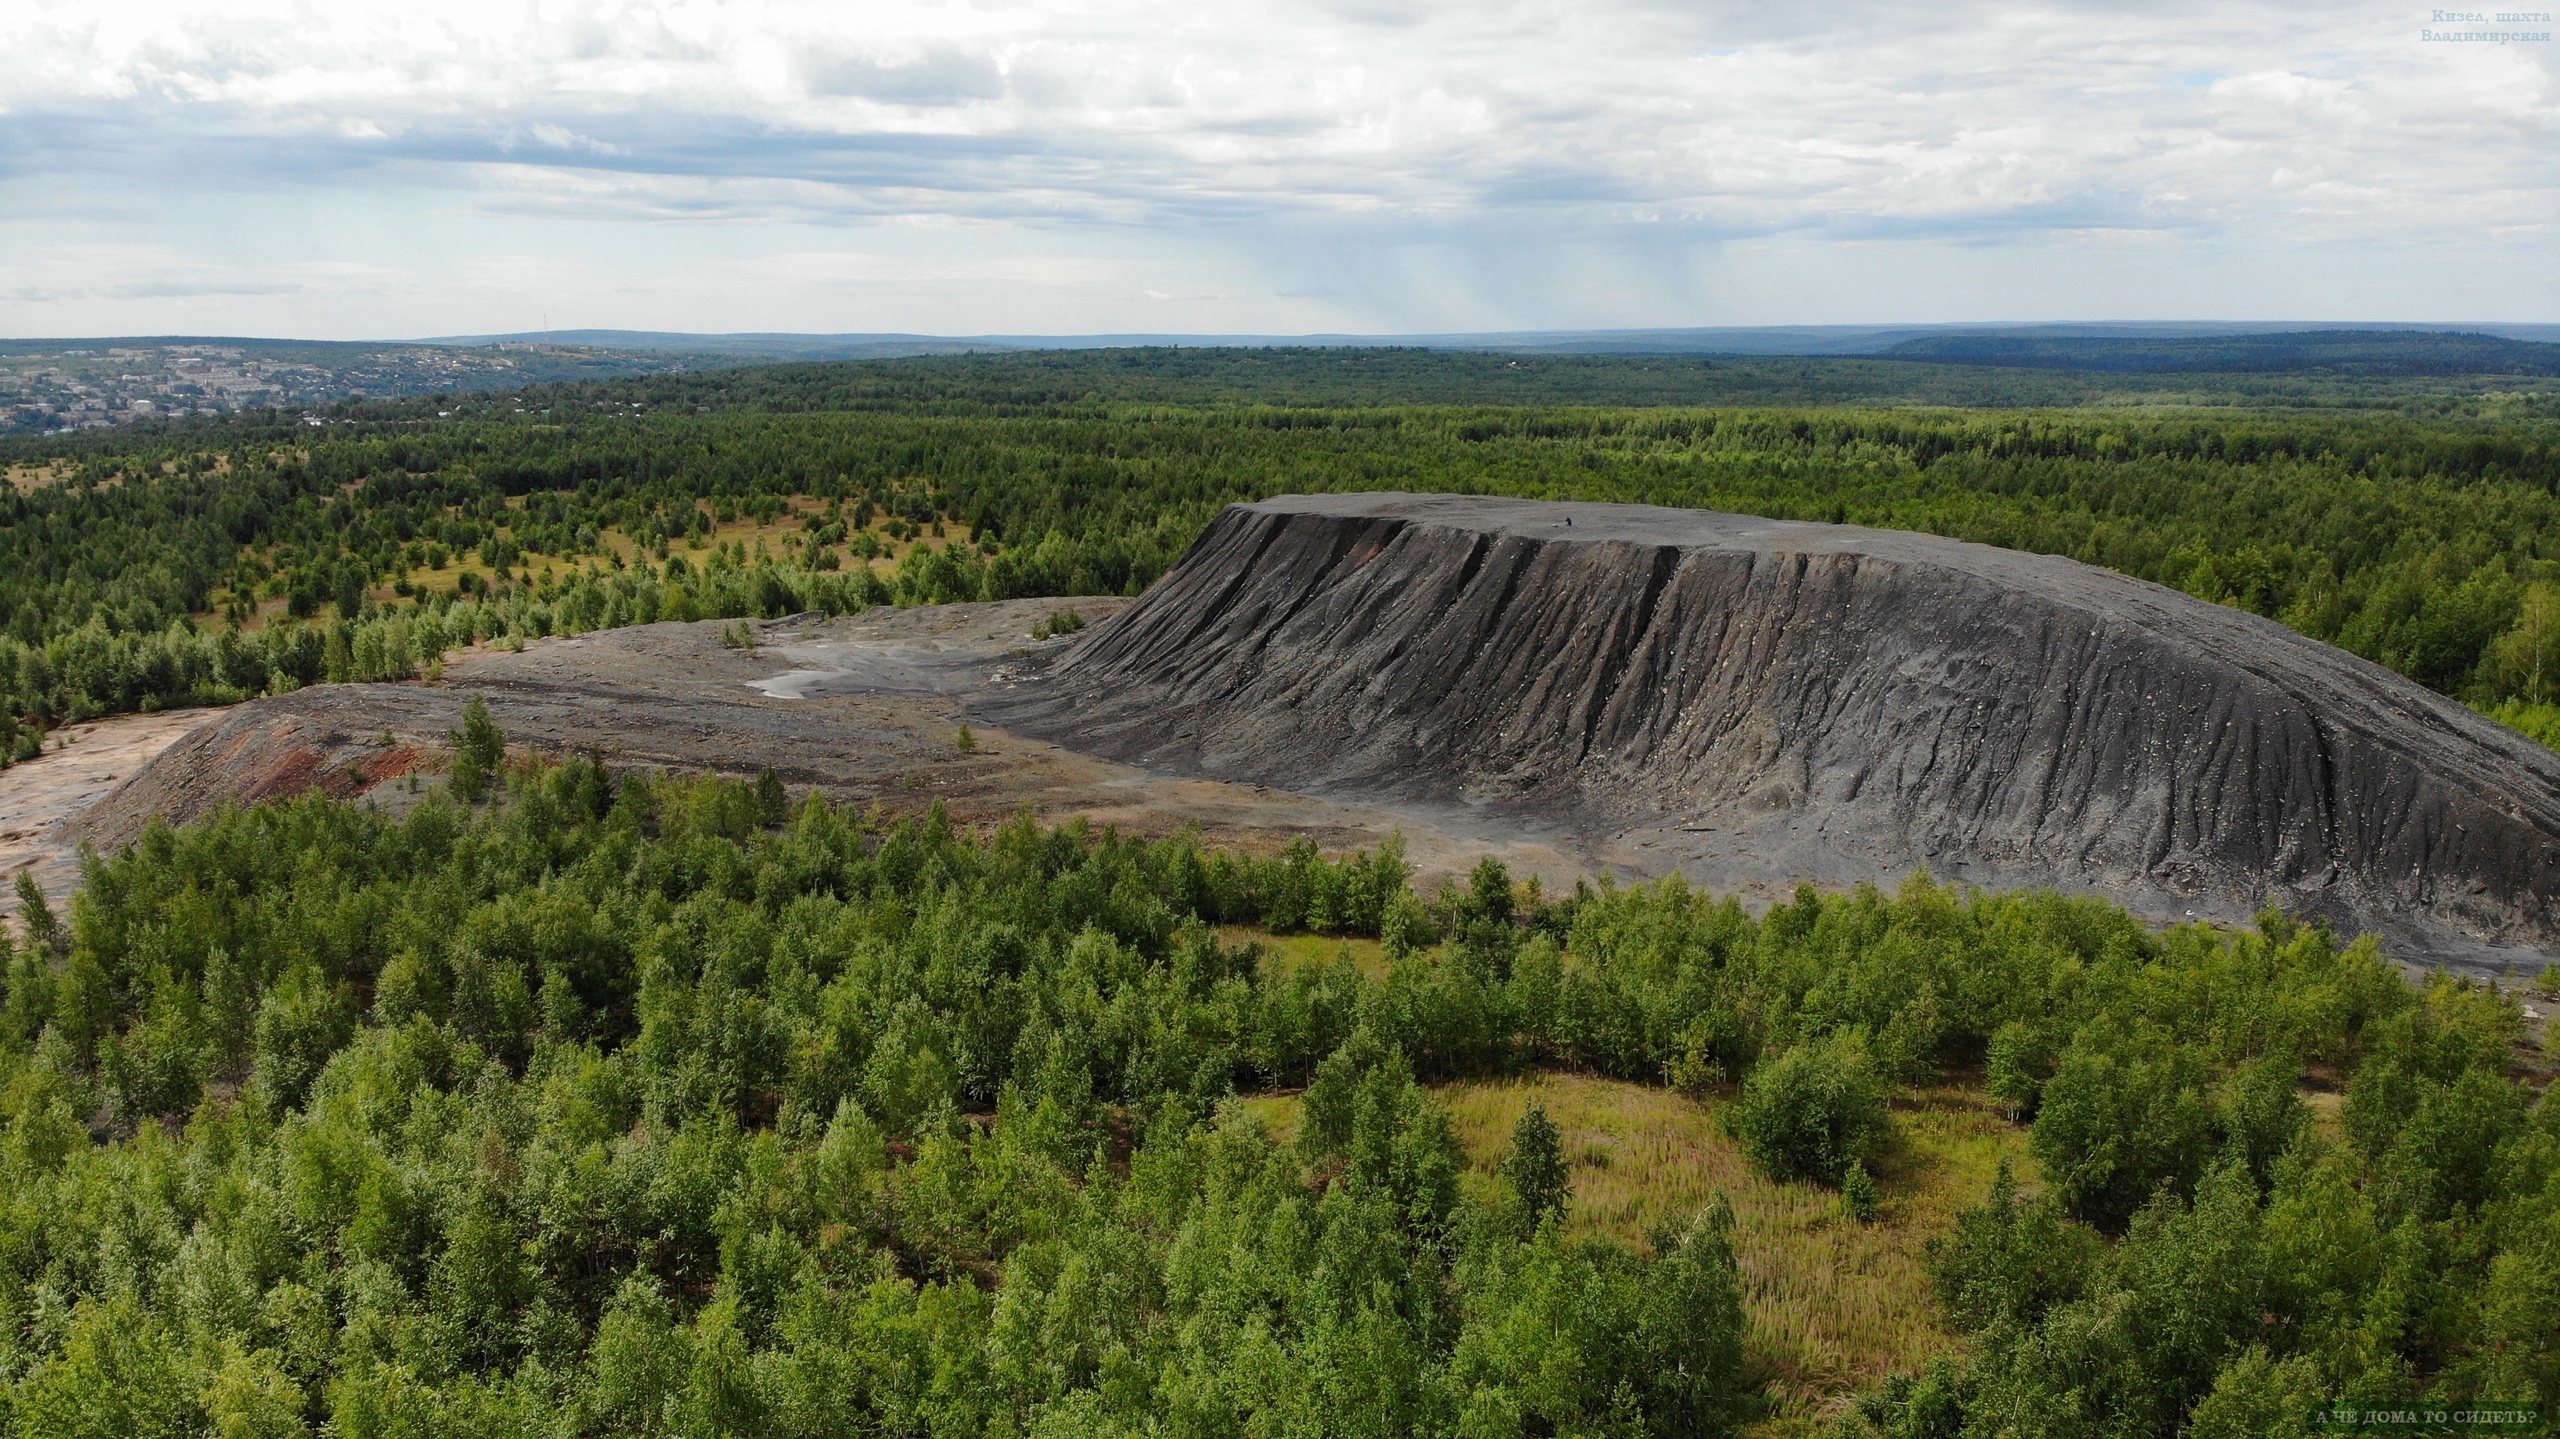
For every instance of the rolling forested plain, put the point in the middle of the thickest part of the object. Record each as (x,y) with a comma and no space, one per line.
(2414,529)
(568,1103)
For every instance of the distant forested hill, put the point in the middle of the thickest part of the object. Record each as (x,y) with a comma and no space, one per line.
(2325,352)
(1048,381)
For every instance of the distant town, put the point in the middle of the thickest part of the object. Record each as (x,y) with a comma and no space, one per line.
(55,386)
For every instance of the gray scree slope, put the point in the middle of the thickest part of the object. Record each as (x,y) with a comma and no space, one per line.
(1812,700)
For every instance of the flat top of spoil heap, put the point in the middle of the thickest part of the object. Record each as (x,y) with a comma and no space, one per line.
(1592,521)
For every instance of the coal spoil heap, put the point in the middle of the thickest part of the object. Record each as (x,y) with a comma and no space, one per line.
(1738,697)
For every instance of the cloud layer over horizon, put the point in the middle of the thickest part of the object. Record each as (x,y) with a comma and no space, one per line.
(1366,165)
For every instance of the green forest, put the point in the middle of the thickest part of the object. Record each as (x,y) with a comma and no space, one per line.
(2416,534)
(668,1106)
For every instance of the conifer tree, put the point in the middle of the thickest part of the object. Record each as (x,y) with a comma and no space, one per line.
(1858,1193)
(1540,1181)
(44,931)
(772,805)
(479,747)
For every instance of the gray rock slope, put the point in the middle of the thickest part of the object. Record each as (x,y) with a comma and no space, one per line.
(1775,698)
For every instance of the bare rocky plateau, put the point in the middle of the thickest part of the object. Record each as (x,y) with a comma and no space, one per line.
(1578,688)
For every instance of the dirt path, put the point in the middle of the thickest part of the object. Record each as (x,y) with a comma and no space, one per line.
(81,765)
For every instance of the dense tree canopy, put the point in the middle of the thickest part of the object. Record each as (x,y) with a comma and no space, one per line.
(647,1106)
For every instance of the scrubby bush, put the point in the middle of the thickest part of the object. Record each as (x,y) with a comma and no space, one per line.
(2011,1259)
(1859,1197)
(1811,1111)
(2122,1120)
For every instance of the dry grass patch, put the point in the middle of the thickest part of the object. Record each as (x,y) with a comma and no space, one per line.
(2328,1112)
(1300,951)
(1835,1306)
(27,478)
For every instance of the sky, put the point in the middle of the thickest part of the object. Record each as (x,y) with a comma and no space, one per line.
(351,170)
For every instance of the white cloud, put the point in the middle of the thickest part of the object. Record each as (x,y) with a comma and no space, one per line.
(1493,162)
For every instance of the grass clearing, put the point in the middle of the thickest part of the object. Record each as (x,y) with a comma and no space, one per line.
(1835,1306)
(1299,951)
(28,478)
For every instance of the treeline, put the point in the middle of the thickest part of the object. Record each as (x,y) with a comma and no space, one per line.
(2424,544)
(2329,352)
(96,669)
(108,578)
(640,1106)
(1054,382)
